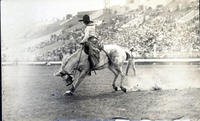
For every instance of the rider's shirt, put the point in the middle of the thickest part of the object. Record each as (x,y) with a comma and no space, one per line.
(89,32)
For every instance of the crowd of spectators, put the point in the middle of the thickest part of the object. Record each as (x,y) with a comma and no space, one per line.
(152,33)
(67,44)
(157,33)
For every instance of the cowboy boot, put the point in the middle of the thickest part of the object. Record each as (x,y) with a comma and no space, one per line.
(91,65)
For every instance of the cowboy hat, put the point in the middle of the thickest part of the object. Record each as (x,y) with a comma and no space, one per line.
(86,19)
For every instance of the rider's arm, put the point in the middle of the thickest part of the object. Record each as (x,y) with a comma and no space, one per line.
(87,34)
(89,31)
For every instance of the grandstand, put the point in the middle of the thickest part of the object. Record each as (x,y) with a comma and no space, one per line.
(170,30)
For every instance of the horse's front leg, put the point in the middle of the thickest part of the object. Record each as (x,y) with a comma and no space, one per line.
(121,85)
(76,82)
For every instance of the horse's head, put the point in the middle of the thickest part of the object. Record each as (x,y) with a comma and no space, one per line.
(67,70)
(70,68)
(68,78)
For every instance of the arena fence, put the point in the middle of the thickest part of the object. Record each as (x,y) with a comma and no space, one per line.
(192,60)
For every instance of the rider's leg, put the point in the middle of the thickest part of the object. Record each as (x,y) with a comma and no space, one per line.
(91,61)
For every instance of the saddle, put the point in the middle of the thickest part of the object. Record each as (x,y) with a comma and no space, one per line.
(93,48)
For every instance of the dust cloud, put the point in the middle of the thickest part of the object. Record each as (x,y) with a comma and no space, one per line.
(169,77)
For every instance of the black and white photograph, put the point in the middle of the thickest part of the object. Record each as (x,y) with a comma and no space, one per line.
(108,60)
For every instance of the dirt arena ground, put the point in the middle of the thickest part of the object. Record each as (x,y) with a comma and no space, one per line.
(32,93)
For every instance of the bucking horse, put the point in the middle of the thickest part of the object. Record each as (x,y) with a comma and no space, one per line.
(76,67)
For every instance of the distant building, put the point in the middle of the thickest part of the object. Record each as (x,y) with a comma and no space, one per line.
(134,4)
(82,13)
(94,15)
(118,9)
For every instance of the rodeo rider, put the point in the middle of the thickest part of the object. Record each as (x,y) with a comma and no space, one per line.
(91,44)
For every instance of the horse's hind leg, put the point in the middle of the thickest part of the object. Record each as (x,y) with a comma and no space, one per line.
(115,78)
(121,85)
(119,69)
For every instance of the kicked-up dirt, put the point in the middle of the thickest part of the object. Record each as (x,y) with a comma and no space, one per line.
(32,93)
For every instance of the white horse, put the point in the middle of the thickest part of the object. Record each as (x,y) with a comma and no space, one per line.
(76,67)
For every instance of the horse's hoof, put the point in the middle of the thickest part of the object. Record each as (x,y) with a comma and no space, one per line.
(68,93)
(115,88)
(123,89)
